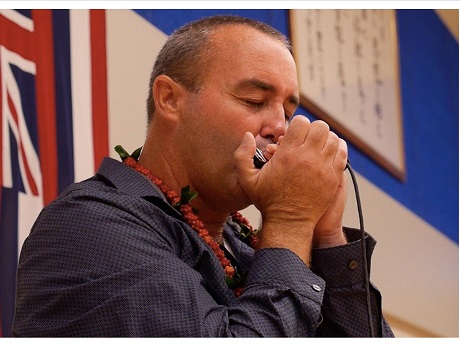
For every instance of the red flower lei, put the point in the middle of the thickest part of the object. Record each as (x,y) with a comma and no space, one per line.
(181,202)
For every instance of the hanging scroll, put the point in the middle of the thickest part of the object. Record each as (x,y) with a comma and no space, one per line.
(348,71)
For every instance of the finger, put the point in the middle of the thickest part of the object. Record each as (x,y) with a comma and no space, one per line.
(331,144)
(343,182)
(244,154)
(280,139)
(341,156)
(270,150)
(297,131)
(318,135)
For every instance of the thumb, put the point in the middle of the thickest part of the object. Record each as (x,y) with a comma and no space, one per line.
(244,154)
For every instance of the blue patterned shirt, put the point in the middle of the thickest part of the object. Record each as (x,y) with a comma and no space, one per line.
(111,258)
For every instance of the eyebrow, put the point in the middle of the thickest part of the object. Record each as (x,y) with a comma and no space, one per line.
(254,83)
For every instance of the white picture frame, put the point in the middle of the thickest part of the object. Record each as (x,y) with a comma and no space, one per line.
(348,70)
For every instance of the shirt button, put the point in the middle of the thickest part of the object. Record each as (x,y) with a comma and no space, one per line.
(316,288)
(353,265)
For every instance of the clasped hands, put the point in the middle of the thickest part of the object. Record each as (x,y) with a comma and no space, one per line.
(301,191)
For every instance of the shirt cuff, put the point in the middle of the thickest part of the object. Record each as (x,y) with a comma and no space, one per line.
(278,268)
(343,266)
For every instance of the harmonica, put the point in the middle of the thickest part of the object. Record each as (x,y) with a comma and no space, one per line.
(259,159)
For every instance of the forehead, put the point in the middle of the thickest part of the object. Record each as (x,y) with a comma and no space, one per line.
(240,51)
(245,39)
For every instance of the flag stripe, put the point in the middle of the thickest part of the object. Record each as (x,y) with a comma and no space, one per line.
(99,85)
(19,19)
(46,101)
(81,94)
(64,126)
(31,184)
(1,179)
(17,40)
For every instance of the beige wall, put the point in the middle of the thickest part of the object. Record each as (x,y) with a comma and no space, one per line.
(450,19)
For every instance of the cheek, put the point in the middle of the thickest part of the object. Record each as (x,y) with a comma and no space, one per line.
(219,121)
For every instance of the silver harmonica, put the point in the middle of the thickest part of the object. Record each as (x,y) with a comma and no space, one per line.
(259,159)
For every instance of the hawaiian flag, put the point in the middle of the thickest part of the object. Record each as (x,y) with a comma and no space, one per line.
(53,120)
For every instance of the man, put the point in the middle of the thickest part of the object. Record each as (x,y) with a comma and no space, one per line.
(134,251)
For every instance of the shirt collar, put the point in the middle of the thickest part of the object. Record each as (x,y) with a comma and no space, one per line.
(127,180)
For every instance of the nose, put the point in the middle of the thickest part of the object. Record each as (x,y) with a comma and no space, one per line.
(274,125)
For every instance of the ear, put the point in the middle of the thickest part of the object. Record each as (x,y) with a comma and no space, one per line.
(168,96)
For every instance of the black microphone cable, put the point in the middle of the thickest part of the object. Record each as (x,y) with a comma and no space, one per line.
(363,249)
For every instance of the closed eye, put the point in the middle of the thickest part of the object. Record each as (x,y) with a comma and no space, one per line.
(257,104)
(260,104)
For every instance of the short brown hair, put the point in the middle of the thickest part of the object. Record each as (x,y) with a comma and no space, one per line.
(185,54)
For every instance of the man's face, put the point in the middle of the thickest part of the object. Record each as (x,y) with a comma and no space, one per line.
(251,85)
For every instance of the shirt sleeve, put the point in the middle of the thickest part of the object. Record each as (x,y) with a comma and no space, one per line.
(282,297)
(345,308)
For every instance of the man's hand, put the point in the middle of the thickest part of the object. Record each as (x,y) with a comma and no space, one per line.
(298,184)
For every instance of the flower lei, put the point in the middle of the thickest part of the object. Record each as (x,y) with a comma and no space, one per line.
(234,279)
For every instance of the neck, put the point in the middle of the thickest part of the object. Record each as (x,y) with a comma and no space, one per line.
(213,220)
(158,162)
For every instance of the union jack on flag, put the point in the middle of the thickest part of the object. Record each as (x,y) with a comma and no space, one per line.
(53,120)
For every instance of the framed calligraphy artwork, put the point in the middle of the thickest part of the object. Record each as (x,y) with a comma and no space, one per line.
(348,69)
